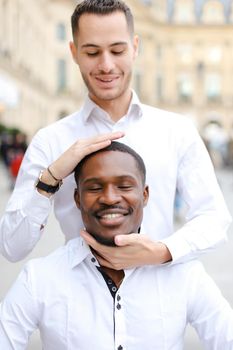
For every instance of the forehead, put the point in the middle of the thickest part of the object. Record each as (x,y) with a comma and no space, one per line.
(110,164)
(108,27)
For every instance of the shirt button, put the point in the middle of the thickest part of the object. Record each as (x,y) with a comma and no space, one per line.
(118,298)
(109,281)
(93,260)
(114,289)
(118,306)
(120,347)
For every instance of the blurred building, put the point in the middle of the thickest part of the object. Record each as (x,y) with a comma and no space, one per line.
(38,81)
(185,61)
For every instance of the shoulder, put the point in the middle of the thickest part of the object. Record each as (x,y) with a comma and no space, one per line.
(40,272)
(166,119)
(58,136)
(68,123)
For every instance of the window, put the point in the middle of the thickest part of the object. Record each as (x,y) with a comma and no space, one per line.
(184,11)
(184,53)
(61,32)
(213,12)
(214,54)
(213,86)
(159,87)
(61,74)
(185,87)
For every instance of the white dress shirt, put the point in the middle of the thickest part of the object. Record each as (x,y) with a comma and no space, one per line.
(174,156)
(67,298)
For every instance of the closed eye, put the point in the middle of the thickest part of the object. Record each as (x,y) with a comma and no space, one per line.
(92,53)
(94,189)
(117,52)
(125,187)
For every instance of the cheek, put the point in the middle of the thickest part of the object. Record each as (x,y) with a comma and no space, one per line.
(85,65)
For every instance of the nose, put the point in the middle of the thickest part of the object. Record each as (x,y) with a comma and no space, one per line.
(106,63)
(110,195)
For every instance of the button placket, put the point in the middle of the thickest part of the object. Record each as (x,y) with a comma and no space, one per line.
(120,323)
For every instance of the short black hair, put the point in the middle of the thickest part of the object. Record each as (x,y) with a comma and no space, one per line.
(101,7)
(119,147)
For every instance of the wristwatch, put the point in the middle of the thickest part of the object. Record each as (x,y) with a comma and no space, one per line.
(45,187)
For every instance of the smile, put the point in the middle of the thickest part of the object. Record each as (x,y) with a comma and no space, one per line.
(112,216)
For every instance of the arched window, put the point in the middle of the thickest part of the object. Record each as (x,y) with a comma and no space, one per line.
(184,11)
(213,12)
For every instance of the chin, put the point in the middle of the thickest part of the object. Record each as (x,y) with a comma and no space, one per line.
(104,240)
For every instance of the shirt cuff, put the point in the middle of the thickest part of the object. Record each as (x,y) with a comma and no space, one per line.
(38,207)
(178,248)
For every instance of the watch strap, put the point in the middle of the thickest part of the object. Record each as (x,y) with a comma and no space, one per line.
(47,188)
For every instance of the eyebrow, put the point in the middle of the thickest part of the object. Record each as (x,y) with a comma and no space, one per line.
(97,46)
(97,180)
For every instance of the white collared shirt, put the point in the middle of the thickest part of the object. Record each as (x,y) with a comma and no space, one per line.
(174,156)
(67,298)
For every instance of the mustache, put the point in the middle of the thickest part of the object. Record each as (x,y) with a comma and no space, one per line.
(105,207)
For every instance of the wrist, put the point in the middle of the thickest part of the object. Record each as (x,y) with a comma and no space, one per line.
(47,184)
(165,255)
(48,179)
(160,254)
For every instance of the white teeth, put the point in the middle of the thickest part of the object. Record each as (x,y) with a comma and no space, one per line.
(111,216)
(106,81)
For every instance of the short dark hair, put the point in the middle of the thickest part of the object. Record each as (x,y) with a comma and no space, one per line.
(101,7)
(119,147)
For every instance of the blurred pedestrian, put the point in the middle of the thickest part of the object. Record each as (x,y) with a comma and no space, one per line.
(217,141)
(17,150)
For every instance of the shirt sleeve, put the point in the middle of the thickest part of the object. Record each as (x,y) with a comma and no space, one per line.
(27,210)
(209,313)
(19,314)
(207,217)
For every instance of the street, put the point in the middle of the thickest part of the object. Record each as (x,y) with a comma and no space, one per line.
(218,264)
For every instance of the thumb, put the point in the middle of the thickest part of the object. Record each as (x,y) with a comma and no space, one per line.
(128,239)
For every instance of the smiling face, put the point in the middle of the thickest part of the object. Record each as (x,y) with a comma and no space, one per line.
(105,50)
(111,195)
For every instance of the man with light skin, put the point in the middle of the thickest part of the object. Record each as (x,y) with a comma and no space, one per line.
(78,304)
(105,47)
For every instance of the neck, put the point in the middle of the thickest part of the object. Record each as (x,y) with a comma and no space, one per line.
(116,275)
(116,108)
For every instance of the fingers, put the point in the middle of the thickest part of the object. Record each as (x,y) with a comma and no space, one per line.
(66,163)
(123,240)
(93,144)
(108,136)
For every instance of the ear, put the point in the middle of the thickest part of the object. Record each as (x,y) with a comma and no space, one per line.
(135,45)
(74,51)
(77,198)
(145,195)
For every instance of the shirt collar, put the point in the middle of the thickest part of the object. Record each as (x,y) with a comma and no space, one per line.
(89,107)
(78,251)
